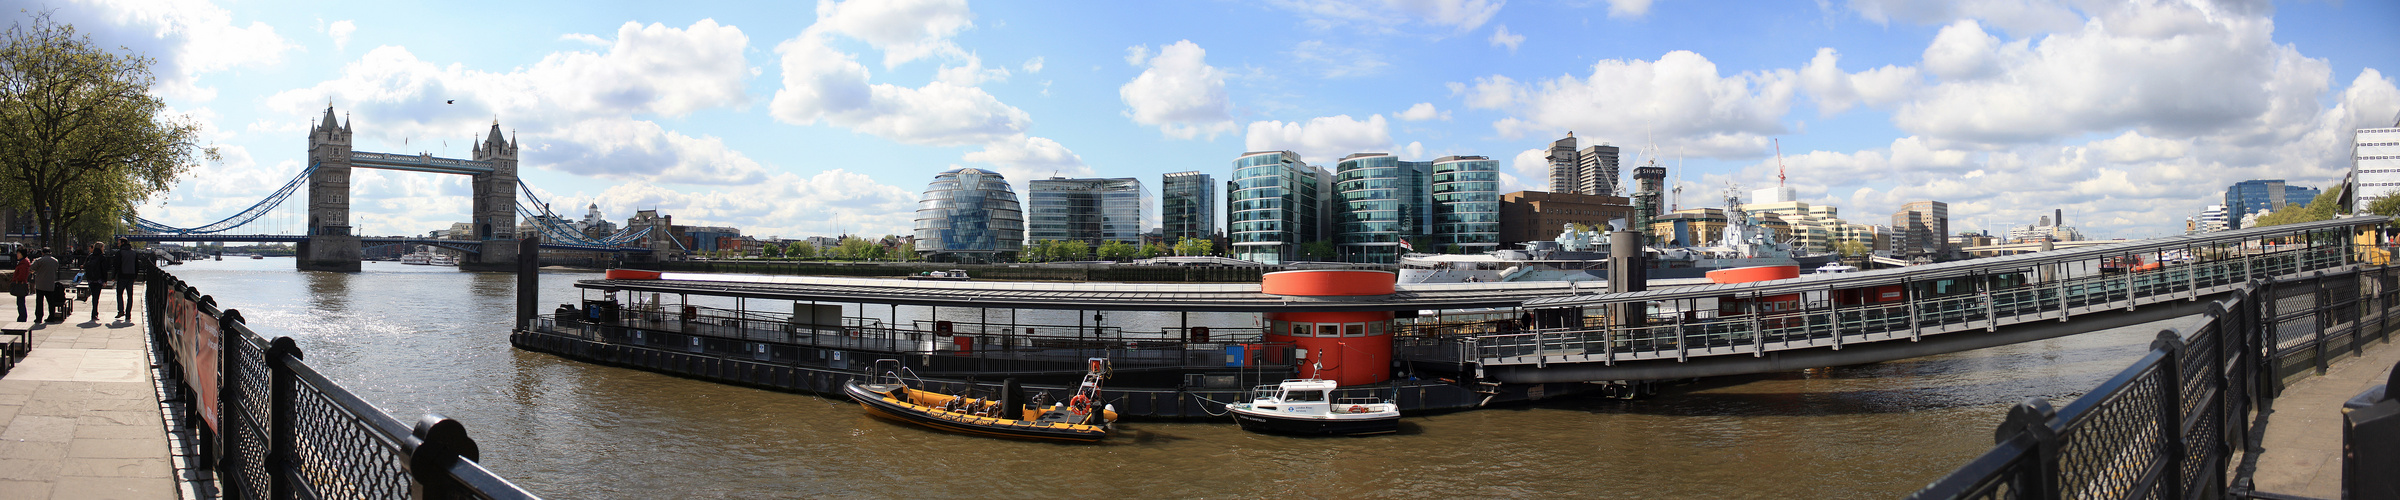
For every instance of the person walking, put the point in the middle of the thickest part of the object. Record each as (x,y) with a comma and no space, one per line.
(95,273)
(20,283)
(129,268)
(45,287)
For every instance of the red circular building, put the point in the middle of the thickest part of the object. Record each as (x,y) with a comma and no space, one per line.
(1348,347)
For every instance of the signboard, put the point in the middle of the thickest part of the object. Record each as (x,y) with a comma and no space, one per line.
(207,345)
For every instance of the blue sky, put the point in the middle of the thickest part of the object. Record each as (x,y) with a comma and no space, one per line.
(798,119)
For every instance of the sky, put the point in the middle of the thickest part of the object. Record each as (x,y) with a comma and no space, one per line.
(792,119)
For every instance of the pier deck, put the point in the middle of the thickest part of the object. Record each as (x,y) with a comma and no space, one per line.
(2303,436)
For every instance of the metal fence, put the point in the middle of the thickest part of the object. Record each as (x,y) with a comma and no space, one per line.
(2169,425)
(273,427)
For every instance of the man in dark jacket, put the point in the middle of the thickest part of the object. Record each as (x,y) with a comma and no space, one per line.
(129,268)
(45,287)
(95,272)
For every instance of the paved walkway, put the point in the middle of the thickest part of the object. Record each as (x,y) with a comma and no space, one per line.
(2303,438)
(80,415)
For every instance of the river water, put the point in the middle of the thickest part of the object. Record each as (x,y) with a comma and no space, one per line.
(422,339)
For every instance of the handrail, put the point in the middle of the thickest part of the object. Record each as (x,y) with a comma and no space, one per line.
(278,448)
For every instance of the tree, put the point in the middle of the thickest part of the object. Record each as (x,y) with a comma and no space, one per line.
(82,140)
(1189,246)
(1317,251)
(2317,209)
(906,252)
(770,250)
(1850,248)
(1117,251)
(1153,250)
(854,248)
(800,250)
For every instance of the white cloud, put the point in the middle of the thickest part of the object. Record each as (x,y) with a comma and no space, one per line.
(1033,65)
(1388,16)
(340,31)
(1136,55)
(823,84)
(1534,165)
(1180,93)
(1337,61)
(905,30)
(1322,140)
(1502,38)
(2133,147)
(1025,158)
(2018,16)
(1962,51)
(1628,8)
(189,38)
(1422,111)
(1680,101)
(1835,91)
(637,149)
(834,201)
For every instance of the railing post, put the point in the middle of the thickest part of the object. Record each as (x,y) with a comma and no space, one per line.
(2170,410)
(282,405)
(434,445)
(232,419)
(2032,418)
(1916,329)
(2317,304)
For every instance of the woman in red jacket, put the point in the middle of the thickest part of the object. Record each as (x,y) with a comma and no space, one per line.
(21,283)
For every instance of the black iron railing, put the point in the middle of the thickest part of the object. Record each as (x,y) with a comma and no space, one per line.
(2167,426)
(273,427)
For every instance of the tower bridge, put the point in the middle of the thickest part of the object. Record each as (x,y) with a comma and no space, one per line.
(331,244)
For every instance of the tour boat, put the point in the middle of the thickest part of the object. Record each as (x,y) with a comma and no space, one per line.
(418,258)
(1300,407)
(443,259)
(950,275)
(1082,418)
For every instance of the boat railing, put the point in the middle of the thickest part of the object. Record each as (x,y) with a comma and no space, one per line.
(776,341)
(1357,401)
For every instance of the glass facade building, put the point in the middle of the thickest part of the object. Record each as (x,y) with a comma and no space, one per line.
(969,215)
(1095,211)
(1380,200)
(2253,196)
(1273,206)
(1188,206)
(1466,204)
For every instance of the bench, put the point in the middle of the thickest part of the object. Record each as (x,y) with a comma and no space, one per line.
(16,339)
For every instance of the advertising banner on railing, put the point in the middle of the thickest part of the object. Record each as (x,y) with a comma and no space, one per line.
(179,311)
(207,344)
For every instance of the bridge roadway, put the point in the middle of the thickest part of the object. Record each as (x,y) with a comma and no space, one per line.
(1874,316)
(458,245)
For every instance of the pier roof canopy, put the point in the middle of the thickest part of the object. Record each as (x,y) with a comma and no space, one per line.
(1239,297)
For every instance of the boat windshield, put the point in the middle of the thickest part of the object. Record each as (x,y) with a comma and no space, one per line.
(1300,396)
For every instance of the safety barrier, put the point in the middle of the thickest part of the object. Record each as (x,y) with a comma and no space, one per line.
(273,427)
(2167,426)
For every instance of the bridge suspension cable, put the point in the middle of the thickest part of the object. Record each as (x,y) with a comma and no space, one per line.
(553,226)
(238,219)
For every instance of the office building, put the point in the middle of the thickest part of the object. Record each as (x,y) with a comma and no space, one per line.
(969,215)
(2255,197)
(2375,163)
(1539,216)
(1921,228)
(1187,206)
(1590,170)
(1275,204)
(1466,204)
(1379,200)
(1094,211)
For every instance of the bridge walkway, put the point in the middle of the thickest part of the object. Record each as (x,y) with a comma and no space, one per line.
(2023,297)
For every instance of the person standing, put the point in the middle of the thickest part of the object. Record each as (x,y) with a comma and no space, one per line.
(95,272)
(20,283)
(45,287)
(129,268)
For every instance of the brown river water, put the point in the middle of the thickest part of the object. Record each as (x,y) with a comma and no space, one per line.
(421,339)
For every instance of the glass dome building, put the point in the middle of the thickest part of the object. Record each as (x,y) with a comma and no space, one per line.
(969,215)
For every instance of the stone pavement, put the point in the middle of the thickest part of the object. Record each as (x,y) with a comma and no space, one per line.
(80,415)
(2303,436)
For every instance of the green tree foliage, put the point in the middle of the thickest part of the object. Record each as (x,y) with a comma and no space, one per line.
(770,250)
(853,248)
(905,252)
(2317,209)
(1154,250)
(1320,251)
(82,140)
(1190,247)
(1117,251)
(800,250)
(1851,248)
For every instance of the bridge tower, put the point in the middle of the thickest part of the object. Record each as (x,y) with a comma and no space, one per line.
(331,245)
(495,215)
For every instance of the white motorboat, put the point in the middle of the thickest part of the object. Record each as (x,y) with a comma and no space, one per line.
(1303,406)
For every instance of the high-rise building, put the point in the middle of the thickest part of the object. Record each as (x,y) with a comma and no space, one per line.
(1814,227)
(2252,197)
(1273,206)
(1590,170)
(2212,219)
(1379,201)
(969,215)
(2375,163)
(1187,206)
(1094,211)
(1466,204)
(1920,227)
